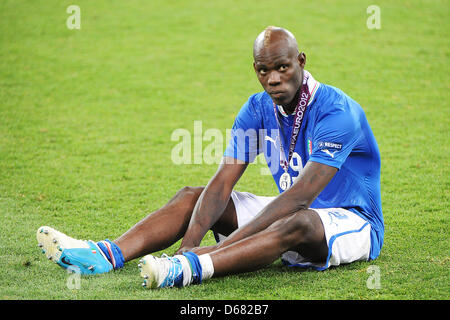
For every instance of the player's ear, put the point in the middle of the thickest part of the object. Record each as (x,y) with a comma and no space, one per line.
(302,59)
(254,65)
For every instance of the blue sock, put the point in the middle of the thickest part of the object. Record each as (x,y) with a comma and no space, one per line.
(196,267)
(112,252)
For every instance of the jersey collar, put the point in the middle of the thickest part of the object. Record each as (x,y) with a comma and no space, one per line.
(313,85)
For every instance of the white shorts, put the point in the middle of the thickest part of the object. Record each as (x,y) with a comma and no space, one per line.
(347,234)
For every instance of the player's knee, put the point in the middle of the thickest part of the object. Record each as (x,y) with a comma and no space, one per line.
(188,195)
(298,228)
(190,191)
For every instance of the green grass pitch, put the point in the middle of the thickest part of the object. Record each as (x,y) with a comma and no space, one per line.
(86,117)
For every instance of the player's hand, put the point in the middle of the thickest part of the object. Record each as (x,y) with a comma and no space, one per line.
(197,250)
(184,249)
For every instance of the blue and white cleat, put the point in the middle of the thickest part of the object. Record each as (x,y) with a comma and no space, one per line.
(81,256)
(160,272)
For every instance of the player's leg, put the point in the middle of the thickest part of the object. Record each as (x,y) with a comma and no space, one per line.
(155,232)
(168,224)
(301,231)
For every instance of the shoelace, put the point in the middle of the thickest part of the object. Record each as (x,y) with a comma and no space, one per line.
(170,267)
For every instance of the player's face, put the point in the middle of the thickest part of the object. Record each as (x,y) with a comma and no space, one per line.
(280,72)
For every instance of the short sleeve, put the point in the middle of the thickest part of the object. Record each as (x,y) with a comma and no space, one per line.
(244,142)
(335,135)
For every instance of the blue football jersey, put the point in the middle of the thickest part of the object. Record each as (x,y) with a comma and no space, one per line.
(334,132)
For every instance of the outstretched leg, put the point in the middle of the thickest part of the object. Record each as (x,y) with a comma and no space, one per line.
(301,231)
(155,232)
(165,226)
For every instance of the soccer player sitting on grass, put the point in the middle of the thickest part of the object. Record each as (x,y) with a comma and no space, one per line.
(327,170)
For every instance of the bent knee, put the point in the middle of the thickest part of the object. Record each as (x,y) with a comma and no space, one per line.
(301,227)
(189,191)
(188,195)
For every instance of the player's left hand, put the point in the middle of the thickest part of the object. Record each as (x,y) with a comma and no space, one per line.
(183,250)
(197,250)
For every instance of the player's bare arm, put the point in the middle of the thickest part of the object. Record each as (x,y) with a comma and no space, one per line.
(212,202)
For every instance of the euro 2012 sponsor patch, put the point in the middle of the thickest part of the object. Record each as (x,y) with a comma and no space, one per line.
(330,148)
(329,145)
